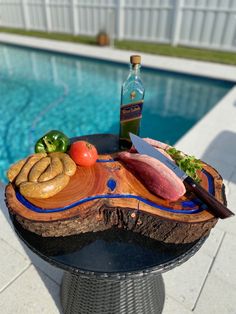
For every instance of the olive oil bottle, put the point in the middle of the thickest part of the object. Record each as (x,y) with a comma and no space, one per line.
(132,97)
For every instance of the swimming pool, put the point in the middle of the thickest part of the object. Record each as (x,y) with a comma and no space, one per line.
(41,91)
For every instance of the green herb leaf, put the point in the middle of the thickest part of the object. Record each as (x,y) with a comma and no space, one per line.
(189,164)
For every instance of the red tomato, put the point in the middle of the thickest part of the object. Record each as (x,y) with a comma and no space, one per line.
(83,153)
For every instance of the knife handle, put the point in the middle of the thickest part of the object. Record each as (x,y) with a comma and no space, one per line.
(218,209)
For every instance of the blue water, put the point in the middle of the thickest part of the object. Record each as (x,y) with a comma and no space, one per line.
(40,91)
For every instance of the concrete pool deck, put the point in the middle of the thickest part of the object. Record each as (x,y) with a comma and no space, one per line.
(207,69)
(206,284)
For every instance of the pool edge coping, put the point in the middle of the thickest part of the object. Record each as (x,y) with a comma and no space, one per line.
(219,119)
(179,65)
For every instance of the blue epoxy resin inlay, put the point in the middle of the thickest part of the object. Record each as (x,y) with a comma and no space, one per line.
(37,209)
(211,188)
(111,183)
(105,160)
(195,206)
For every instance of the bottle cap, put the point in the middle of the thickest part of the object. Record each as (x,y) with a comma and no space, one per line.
(135,59)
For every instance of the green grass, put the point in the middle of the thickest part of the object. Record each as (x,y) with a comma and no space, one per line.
(180,52)
(56,36)
(153,48)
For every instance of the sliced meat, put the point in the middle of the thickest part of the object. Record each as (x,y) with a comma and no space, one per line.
(156,143)
(133,150)
(155,176)
(162,147)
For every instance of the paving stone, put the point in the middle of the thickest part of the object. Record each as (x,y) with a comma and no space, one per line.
(227,225)
(232,190)
(212,129)
(51,271)
(12,264)
(188,142)
(223,141)
(216,154)
(223,168)
(184,283)
(216,297)
(8,234)
(224,265)
(173,307)
(6,230)
(32,293)
(212,243)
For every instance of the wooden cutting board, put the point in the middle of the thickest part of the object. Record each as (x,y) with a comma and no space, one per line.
(108,194)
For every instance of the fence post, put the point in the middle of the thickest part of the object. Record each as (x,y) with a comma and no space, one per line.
(75,22)
(25,14)
(111,26)
(177,20)
(120,19)
(47,15)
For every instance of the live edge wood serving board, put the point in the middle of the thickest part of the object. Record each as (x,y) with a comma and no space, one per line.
(107,195)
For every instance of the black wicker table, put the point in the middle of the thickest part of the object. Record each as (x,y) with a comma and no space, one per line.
(113,271)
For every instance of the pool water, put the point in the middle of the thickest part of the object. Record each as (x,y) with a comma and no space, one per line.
(41,91)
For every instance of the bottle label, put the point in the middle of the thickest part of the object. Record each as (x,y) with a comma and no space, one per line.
(131,111)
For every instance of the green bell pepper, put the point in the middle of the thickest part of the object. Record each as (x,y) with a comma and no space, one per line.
(53,141)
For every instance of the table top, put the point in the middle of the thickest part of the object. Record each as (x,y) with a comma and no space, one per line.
(111,253)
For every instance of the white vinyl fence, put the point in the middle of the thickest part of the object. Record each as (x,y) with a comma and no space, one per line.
(198,23)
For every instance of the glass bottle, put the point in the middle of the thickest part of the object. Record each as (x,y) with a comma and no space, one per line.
(132,96)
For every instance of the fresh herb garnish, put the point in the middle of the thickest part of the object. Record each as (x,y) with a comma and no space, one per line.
(189,164)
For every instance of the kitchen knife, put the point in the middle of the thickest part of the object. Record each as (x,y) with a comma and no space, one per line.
(218,209)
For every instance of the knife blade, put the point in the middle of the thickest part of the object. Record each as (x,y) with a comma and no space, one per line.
(217,208)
